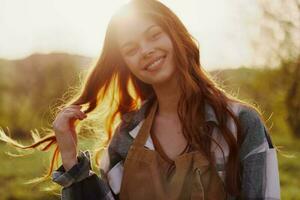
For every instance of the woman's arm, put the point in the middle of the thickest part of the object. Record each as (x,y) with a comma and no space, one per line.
(260,177)
(80,182)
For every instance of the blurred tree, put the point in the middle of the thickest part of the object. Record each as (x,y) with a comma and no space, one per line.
(293,99)
(280,26)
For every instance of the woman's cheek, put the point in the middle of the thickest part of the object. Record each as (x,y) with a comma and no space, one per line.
(133,65)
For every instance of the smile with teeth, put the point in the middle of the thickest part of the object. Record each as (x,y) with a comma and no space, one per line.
(155,64)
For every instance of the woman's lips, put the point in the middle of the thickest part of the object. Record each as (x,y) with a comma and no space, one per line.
(156,64)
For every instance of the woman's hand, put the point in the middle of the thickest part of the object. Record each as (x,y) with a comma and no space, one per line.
(66,135)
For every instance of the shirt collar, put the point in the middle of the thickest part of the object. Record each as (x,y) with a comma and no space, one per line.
(210,114)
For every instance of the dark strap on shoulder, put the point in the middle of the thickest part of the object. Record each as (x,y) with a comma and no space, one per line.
(268,138)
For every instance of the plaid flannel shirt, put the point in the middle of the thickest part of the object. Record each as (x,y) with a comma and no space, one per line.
(260,177)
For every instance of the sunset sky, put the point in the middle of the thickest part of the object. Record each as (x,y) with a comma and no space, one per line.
(222,27)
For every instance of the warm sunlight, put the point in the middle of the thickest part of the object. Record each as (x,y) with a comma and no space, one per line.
(123,109)
(78,27)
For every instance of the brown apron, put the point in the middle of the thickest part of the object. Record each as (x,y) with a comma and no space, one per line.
(145,173)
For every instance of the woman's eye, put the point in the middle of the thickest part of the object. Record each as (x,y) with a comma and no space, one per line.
(155,35)
(130,51)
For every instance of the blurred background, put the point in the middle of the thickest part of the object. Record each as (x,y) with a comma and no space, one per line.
(252,48)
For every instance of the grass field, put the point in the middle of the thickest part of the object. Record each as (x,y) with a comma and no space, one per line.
(15,171)
(289,167)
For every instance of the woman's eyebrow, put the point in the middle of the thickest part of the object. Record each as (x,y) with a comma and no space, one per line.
(144,32)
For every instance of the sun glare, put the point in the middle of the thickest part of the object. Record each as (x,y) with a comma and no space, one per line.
(78,27)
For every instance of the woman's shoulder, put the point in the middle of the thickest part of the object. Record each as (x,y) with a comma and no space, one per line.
(245,112)
(251,119)
(255,134)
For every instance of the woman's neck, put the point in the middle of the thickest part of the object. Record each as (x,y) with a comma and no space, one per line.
(168,95)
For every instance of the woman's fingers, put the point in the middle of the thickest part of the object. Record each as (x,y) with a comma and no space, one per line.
(74,111)
(64,121)
(75,114)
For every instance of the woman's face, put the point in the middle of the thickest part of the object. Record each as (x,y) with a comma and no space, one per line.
(146,49)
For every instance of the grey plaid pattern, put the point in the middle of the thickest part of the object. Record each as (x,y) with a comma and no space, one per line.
(77,173)
(257,142)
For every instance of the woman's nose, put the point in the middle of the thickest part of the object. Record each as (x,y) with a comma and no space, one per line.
(148,53)
(146,50)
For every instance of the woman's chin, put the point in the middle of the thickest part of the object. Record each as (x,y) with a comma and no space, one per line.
(161,80)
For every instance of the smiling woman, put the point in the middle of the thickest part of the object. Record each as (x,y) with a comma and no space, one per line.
(180,136)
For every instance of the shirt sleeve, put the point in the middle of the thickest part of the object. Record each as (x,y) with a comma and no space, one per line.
(80,182)
(260,176)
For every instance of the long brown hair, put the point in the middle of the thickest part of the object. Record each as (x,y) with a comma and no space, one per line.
(111,81)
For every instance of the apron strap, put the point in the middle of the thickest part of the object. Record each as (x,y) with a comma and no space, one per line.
(144,132)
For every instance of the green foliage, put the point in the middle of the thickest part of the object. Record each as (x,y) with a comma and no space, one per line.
(31,87)
(15,171)
(263,87)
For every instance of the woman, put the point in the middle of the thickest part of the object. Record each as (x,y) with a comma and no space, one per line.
(180,136)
